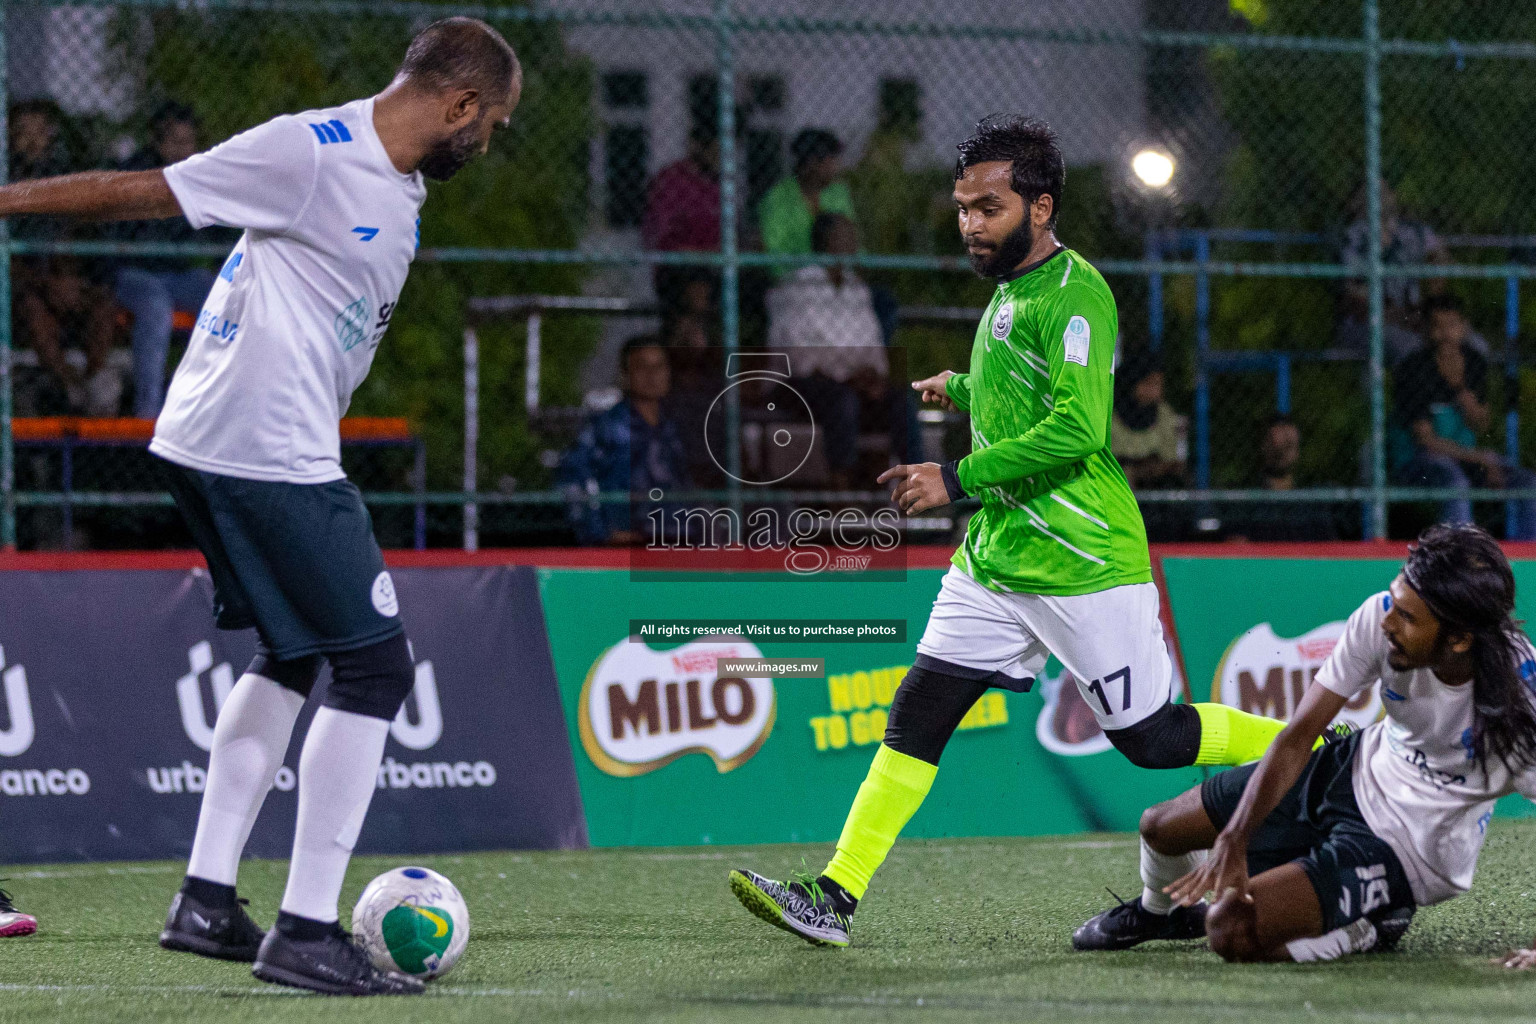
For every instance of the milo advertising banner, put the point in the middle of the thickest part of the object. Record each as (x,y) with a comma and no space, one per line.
(671,750)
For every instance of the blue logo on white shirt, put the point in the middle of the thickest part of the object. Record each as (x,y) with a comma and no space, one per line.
(1391,694)
(231,265)
(365,233)
(330,131)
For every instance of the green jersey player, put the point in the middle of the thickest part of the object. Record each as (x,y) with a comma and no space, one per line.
(1055,561)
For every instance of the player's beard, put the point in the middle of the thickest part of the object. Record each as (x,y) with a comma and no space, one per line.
(448,157)
(1010,252)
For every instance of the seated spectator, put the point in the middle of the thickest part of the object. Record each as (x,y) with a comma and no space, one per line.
(682,214)
(1147,437)
(633,447)
(1279,453)
(824,318)
(62,310)
(154,289)
(1403,242)
(789,208)
(36,151)
(1441,409)
(1448,324)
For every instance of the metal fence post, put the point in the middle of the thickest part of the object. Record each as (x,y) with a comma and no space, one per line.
(1377,371)
(471,437)
(7,442)
(730,272)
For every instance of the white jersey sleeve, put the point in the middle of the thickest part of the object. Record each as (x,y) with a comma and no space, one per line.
(261,179)
(1356,659)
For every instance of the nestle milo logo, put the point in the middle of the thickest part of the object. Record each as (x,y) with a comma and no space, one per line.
(1263,673)
(641,708)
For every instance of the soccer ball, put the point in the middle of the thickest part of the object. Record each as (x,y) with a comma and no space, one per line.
(412,920)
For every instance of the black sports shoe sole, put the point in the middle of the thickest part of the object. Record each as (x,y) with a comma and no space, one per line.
(757,901)
(185,942)
(279,976)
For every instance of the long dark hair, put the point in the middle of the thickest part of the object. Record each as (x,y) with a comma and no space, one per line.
(1463,577)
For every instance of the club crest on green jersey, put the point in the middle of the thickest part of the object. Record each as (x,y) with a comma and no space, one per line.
(1003,322)
(1075,339)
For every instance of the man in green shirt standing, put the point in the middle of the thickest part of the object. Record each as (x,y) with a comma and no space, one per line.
(789,208)
(1054,562)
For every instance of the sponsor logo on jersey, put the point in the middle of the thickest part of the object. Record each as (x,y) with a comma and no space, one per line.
(352,324)
(641,709)
(1003,322)
(367,234)
(220,327)
(383,596)
(330,131)
(227,272)
(1266,674)
(16,739)
(1075,339)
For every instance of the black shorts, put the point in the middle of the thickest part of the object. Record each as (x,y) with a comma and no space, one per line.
(299,562)
(1318,825)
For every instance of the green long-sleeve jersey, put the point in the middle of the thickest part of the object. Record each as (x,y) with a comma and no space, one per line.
(1057,516)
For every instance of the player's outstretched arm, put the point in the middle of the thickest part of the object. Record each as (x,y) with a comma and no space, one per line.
(1282,765)
(93,195)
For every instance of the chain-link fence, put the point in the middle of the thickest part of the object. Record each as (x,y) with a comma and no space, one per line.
(1316,219)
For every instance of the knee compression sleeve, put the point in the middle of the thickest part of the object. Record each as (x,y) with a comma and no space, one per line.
(927,708)
(372,680)
(1167,738)
(296,674)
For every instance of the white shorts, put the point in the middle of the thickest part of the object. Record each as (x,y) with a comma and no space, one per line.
(1111,642)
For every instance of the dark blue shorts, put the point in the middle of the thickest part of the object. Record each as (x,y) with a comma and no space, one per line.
(299,562)
(1318,825)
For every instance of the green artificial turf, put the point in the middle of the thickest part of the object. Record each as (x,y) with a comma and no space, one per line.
(953,929)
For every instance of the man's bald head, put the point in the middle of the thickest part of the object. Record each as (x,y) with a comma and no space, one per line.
(461,53)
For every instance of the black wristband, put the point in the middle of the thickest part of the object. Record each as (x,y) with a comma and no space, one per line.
(950,471)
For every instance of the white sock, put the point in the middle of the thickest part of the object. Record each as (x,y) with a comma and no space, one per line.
(1160,869)
(249,740)
(337,775)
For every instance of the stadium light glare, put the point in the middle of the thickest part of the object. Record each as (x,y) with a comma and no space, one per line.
(1154,168)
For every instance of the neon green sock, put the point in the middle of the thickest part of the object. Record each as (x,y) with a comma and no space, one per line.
(892,792)
(1230,736)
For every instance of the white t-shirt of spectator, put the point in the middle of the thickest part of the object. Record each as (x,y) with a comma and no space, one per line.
(834,328)
(290,327)
(1415,778)
(1409,243)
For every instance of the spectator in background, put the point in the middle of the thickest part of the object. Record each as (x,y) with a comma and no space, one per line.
(1441,400)
(1403,242)
(154,289)
(824,317)
(682,214)
(1448,324)
(633,447)
(1147,437)
(1279,454)
(62,310)
(788,210)
(36,151)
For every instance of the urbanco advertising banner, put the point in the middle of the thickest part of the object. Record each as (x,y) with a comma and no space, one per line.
(112,681)
(672,751)
(1254,631)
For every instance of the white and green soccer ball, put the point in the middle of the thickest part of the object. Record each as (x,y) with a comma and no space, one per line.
(412,920)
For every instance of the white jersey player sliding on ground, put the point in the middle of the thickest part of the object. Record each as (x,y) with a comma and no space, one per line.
(1317,855)
(251,445)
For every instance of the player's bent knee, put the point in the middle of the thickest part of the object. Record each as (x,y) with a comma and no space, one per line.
(1231,927)
(1153,820)
(296,674)
(1167,738)
(372,680)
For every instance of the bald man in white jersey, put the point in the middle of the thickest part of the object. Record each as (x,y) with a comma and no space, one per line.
(329,202)
(1314,856)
